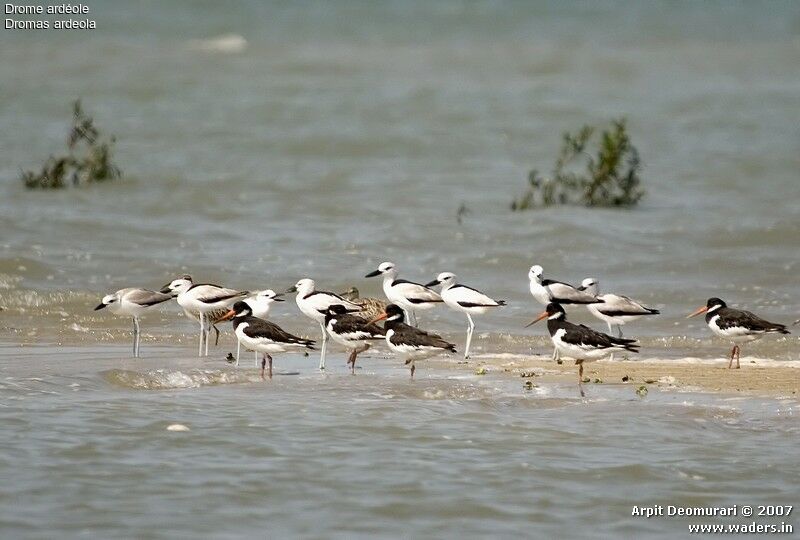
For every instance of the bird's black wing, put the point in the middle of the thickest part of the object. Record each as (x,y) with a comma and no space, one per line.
(731,318)
(353,324)
(546,282)
(408,335)
(580,333)
(259,328)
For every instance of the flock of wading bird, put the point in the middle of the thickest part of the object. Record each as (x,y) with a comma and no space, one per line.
(352,321)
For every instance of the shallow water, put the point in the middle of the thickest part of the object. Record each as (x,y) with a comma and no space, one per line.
(87,451)
(344,134)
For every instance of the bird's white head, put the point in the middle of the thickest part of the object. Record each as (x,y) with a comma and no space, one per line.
(590,285)
(303,287)
(178,286)
(385,268)
(535,273)
(445,279)
(269,296)
(111,301)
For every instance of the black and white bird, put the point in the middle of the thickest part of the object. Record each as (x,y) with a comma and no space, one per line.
(466,300)
(615,309)
(408,342)
(205,299)
(736,325)
(410,296)
(370,307)
(314,304)
(579,341)
(354,332)
(211,317)
(546,291)
(133,302)
(260,303)
(263,336)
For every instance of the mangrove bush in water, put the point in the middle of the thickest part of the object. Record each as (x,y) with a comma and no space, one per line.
(88,159)
(609,177)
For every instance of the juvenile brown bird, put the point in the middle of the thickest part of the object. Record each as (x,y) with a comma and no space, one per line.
(370,307)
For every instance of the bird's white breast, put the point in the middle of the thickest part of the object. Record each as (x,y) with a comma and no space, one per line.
(736,334)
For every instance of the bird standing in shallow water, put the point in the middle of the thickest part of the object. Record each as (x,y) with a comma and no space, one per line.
(408,342)
(352,331)
(260,303)
(614,309)
(546,291)
(263,336)
(407,295)
(736,325)
(314,304)
(580,342)
(464,299)
(205,299)
(133,302)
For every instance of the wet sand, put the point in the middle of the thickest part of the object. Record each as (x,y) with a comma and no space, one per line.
(757,376)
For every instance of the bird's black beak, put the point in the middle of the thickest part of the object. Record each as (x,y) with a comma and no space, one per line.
(374,273)
(581,288)
(101,306)
(291,289)
(433,283)
(165,289)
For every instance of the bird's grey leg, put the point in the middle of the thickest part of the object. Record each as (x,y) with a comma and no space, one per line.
(580,379)
(200,350)
(324,346)
(255,353)
(619,329)
(138,335)
(134,336)
(208,334)
(239,351)
(610,331)
(470,329)
(556,355)
(738,354)
(413,369)
(730,362)
(216,330)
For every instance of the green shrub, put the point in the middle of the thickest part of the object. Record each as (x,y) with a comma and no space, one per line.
(609,178)
(88,159)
